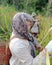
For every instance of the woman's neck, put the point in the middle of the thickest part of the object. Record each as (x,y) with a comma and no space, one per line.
(17,36)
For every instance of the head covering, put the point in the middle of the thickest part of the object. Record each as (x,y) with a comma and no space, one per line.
(35,28)
(19,27)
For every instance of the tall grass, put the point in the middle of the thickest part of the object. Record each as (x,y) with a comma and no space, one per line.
(45,25)
(6,14)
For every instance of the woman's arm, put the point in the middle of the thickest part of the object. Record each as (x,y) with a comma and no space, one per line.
(37,45)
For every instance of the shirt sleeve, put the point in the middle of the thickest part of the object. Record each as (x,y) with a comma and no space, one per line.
(36,42)
(21,52)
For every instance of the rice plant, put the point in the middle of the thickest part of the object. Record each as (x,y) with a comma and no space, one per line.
(6,14)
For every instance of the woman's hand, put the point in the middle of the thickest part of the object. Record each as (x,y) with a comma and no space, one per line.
(44,51)
(39,48)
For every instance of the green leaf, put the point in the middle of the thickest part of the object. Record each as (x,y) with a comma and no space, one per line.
(47,58)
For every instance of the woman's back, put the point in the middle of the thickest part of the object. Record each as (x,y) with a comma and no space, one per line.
(21,52)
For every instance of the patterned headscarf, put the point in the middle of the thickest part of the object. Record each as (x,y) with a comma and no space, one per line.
(20,29)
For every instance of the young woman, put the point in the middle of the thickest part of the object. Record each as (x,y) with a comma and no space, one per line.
(22,44)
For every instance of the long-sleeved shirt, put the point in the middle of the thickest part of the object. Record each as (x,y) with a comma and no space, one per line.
(21,53)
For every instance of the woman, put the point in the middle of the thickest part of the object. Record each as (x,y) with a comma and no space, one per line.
(23,45)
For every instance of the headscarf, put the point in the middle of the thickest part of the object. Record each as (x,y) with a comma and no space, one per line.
(20,29)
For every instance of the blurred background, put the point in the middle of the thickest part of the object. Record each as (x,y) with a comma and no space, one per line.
(42,8)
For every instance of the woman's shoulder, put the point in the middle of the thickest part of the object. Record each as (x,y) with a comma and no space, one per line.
(19,42)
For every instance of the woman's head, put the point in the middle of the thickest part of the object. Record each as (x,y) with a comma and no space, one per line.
(22,23)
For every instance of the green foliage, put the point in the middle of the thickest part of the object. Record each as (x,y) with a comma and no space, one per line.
(30,5)
(6,14)
(47,58)
(41,4)
(19,4)
(49,9)
(5,2)
(27,5)
(45,24)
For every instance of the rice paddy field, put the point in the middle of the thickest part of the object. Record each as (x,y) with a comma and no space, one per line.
(6,14)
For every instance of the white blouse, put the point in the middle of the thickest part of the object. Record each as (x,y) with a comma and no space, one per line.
(21,53)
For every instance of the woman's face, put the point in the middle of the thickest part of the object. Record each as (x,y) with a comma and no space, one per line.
(29,25)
